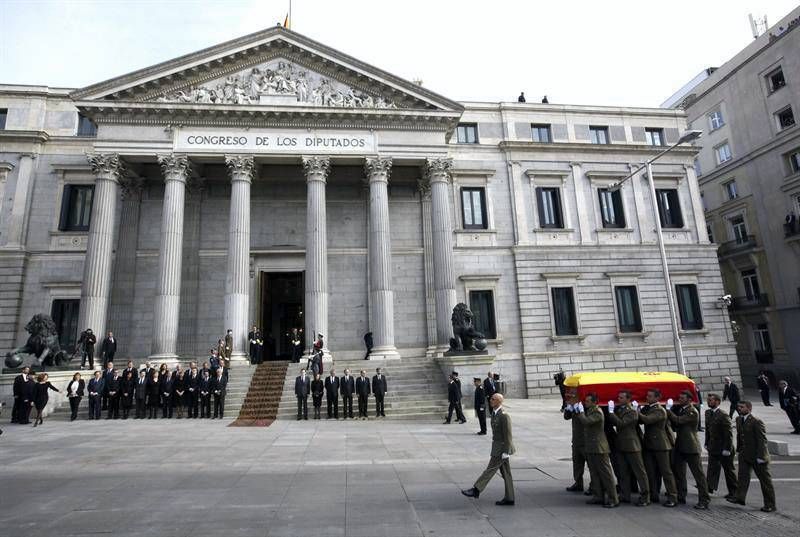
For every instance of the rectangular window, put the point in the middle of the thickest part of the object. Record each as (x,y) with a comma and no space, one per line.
(739,229)
(482,305)
(785,118)
(3,117)
(689,307)
(65,316)
(730,190)
(761,339)
(611,211)
(628,315)
(723,153)
(715,120)
(473,204)
(710,233)
(750,281)
(776,80)
(697,170)
(86,126)
(703,201)
(541,133)
(654,136)
(598,135)
(467,133)
(549,202)
(794,161)
(566,322)
(76,208)
(669,208)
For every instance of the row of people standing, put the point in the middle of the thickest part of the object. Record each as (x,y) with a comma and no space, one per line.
(612,444)
(345,386)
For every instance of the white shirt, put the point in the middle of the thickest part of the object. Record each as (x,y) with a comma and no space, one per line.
(73,387)
(496,410)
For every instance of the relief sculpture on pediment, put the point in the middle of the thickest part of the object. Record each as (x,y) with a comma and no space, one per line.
(261,84)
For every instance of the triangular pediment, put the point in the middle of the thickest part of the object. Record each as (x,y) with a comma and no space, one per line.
(273,68)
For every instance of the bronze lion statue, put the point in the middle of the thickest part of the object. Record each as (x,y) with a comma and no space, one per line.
(466,337)
(42,344)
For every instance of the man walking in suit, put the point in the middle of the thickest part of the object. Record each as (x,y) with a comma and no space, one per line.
(731,393)
(719,445)
(302,387)
(96,389)
(332,395)
(790,403)
(219,387)
(763,387)
(658,444)
(19,388)
(751,443)
(347,386)
(489,386)
(140,393)
(502,449)
(480,405)
(379,389)
(629,448)
(683,417)
(108,348)
(454,398)
(597,452)
(362,390)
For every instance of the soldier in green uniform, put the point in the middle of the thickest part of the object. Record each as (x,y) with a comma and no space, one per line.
(719,445)
(597,452)
(629,448)
(578,453)
(684,417)
(751,443)
(658,443)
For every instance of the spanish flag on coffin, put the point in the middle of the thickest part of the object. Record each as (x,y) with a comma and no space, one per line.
(607,384)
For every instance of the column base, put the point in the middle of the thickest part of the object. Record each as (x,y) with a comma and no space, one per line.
(164,358)
(388,352)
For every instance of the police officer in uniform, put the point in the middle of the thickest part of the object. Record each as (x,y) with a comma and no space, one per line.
(683,417)
(658,443)
(480,404)
(628,444)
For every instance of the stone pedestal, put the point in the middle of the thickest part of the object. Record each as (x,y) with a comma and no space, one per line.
(237,278)
(316,276)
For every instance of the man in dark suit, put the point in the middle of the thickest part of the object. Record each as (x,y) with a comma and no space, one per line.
(719,445)
(332,394)
(140,394)
(362,390)
(489,386)
(204,395)
(317,389)
(130,367)
(112,391)
(347,386)
(751,443)
(108,374)
(379,389)
(480,404)
(731,393)
(790,403)
(302,387)
(87,341)
(191,385)
(165,392)
(219,387)
(454,398)
(684,417)
(19,389)
(763,387)
(108,348)
(96,388)
(502,449)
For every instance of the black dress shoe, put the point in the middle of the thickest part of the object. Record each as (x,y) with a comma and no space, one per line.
(446,422)
(768,508)
(669,503)
(734,500)
(642,503)
(481,433)
(587,492)
(504,502)
(471,493)
(611,505)
(702,506)
(574,488)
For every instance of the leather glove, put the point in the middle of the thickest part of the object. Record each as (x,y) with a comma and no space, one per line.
(611,406)
(760,461)
(635,405)
(726,453)
(669,403)
(504,456)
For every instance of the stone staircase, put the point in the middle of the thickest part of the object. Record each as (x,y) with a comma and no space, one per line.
(417,388)
(260,405)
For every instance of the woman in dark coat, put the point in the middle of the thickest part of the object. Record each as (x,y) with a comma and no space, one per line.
(153,396)
(127,387)
(179,389)
(75,390)
(40,396)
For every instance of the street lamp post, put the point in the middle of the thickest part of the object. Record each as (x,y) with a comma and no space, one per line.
(688,136)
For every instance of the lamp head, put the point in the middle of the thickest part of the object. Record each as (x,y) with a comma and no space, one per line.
(690,136)
(614,187)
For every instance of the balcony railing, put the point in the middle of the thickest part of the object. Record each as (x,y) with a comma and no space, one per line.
(750,302)
(737,246)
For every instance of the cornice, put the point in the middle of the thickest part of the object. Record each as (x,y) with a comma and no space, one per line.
(572,147)
(36,137)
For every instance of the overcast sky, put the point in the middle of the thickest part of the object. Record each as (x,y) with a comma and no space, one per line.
(612,52)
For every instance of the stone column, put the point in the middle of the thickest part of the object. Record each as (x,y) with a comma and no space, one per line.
(381,312)
(17,222)
(438,175)
(170,257)
(237,278)
(96,287)
(316,277)
(424,188)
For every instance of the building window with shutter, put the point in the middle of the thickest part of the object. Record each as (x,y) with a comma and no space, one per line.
(564,317)
(65,316)
(715,120)
(76,208)
(775,80)
(473,208)
(669,208)
(723,153)
(3,117)
(628,315)
(548,200)
(785,118)
(611,211)
(467,133)
(482,305)
(654,136)
(689,307)
(598,135)
(541,133)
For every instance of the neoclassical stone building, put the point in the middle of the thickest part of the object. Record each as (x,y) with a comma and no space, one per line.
(274,181)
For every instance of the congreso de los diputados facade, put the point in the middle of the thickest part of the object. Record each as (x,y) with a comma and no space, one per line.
(273,181)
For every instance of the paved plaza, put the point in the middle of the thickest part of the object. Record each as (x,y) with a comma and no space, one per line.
(361,479)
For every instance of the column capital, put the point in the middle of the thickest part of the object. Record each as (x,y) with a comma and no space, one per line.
(175,167)
(107,165)
(378,169)
(241,167)
(132,186)
(424,188)
(316,168)
(437,169)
